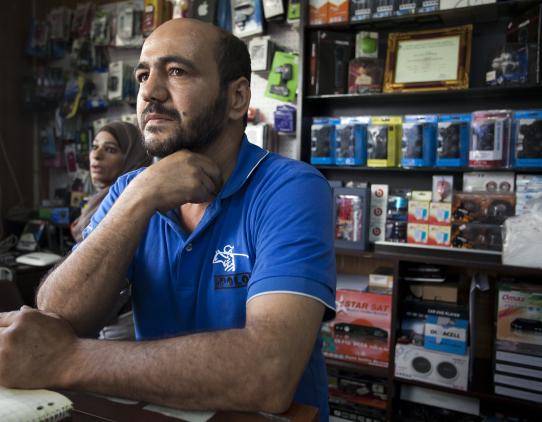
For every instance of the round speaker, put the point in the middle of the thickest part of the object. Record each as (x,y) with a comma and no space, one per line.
(421,365)
(447,370)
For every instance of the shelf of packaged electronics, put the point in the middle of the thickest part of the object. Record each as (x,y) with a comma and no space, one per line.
(474,393)
(523,170)
(469,258)
(371,370)
(472,14)
(525,91)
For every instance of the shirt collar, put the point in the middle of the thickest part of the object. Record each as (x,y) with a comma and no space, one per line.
(249,158)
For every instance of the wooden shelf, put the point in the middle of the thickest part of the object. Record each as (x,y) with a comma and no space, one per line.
(466,258)
(371,370)
(481,395)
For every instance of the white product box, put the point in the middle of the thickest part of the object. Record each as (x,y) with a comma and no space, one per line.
(445,369)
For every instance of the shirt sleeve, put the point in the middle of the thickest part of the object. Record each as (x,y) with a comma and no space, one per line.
(293,240)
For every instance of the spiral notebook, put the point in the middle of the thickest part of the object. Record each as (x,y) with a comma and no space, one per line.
(33,405)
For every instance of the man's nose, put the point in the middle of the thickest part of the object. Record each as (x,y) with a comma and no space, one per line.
(153,90)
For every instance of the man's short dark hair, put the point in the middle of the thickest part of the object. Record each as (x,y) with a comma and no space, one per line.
(233,60)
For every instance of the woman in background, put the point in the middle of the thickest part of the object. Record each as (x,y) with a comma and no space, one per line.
(117,148)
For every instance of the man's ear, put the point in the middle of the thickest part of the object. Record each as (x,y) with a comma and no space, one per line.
(239,95)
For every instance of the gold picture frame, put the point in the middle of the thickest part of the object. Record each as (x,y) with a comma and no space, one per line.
(430,60)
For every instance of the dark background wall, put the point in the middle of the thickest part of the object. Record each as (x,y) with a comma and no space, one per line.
(16,128)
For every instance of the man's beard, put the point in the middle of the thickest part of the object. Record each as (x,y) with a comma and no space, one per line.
(201,132)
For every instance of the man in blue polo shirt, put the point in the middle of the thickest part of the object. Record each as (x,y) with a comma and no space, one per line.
(228,250)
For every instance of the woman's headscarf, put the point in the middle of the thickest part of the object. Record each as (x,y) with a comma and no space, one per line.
(130,143)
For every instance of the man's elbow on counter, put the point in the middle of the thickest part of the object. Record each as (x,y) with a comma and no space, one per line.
(273,389)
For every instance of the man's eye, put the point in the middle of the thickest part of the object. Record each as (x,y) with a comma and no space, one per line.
(176,71)
(142,77)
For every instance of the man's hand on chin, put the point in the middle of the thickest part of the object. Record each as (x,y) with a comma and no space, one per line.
(35,348)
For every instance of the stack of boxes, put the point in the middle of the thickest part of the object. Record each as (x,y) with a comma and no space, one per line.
(518,348)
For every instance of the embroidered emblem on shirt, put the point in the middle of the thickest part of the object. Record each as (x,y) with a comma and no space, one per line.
(227,257)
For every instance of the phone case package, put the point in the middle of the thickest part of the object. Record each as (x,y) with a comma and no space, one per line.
(453,140)
(351,141)
(527,146)
(383,137)
(490,140)
(419,140)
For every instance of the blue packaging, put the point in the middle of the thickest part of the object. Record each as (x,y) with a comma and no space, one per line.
(419,140)
(527,138)
(407,7)
(351,141)
(429,6)
(284,118)
(453,140)
(446,334)
(323,140)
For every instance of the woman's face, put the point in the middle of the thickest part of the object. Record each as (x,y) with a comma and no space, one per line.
(106,159)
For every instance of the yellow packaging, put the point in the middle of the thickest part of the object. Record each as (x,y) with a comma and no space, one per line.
(417,233)
(383,143)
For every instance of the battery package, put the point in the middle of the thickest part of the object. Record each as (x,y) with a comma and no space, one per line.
(384,9)
(527,144)
(418,140)
(351,141)
(453,140)
(361,10)
(490,138)
(383,137)
(323,140)
(407,7)
(330,53)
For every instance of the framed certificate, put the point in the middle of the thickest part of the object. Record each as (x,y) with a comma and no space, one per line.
(429,60)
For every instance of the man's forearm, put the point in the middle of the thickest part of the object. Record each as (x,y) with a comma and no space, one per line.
(226,370)
(86,284)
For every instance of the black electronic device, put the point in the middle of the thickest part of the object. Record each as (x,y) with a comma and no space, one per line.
(527,325)
(360,332)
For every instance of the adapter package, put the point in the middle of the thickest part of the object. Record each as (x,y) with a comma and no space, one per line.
(419,140)
(323,140)
(527,145)
(383,137)
(490,140)
(282,81)
(351,141)
(453,140)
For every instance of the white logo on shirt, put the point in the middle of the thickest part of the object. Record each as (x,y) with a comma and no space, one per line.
(227,257)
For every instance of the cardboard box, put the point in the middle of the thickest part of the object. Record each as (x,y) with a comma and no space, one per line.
(418,212)
(446,334)
(417,233)
(519,318)
(330,54)
(318,12)
(439,235)
(444,369)
(441,292)
(440,213)
(338,11)
(361,330)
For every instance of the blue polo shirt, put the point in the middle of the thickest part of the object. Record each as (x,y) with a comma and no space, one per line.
(269,230)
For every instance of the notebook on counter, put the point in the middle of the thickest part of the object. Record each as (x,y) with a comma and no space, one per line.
(33,405)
